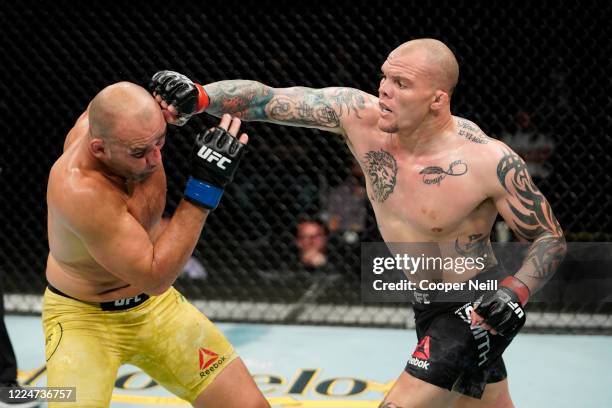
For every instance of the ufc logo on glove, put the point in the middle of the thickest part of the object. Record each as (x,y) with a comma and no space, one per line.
(210,156)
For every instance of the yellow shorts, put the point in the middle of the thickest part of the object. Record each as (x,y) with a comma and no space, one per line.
(167,337)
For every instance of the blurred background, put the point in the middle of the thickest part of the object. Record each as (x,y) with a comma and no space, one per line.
(284,245)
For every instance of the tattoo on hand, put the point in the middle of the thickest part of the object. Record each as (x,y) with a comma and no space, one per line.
(471,132)
(435,174)
(381,169)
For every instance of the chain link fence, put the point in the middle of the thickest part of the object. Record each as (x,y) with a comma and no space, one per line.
(533,74)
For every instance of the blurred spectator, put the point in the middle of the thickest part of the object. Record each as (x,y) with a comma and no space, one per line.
(346,205)
(533,146)
(311,241)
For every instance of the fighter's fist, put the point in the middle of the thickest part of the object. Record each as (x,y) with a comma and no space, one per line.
(215,158)
(179,97)
(502,311)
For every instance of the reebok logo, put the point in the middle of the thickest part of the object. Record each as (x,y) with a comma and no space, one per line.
(210,156)
(209,361)
(422,349)
(421,354)
(207,357)
(419,363)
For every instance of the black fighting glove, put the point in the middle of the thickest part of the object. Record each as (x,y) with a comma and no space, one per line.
(503,310)
(214,160)
(179,91)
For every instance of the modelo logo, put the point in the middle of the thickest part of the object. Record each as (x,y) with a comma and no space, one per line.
(284,393)
(210,156)
(304,381)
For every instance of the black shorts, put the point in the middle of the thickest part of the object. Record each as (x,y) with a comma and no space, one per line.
(452,355)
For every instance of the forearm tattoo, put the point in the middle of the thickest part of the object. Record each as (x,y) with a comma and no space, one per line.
(533,218)
(381,168)
(296,106)
(435,174)
(245,99)
(544,256)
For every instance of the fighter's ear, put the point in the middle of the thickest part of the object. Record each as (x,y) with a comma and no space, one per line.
(97,147)
(439,100)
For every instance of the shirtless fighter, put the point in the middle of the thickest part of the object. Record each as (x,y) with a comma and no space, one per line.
(111,265)
(431,177)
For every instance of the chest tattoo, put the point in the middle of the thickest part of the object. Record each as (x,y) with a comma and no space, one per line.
(435,174)
(381,168)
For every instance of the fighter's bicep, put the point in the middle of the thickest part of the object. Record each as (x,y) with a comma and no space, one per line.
(329,109)
(520,202)
(119,244)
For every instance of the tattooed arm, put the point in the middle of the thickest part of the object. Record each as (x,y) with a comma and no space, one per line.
(330,109)
(528,213)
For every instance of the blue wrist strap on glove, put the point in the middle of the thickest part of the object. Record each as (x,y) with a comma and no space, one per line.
(203,193)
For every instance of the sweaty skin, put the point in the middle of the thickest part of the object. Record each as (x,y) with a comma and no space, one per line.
(430,176)
(106,194)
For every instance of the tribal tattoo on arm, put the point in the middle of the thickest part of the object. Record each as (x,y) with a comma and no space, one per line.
(532,219)
(298,106)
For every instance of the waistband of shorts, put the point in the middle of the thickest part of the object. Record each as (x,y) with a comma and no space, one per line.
(441,299)
(119,304)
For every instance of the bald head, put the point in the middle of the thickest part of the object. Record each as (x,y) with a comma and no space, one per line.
(118,108)
(441,63)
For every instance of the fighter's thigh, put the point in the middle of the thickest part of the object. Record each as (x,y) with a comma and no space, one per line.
(79,356)
(185,351)
(233,388)
(496,395)
(410,392)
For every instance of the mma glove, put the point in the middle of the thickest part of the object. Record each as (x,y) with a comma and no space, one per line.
(179,91)
(503,309)
(214,160)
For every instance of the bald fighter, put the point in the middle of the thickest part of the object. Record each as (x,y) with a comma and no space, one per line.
(431,177)
(111,265)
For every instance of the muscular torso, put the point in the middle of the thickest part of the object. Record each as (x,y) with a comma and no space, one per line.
(70,267)
(428,198)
